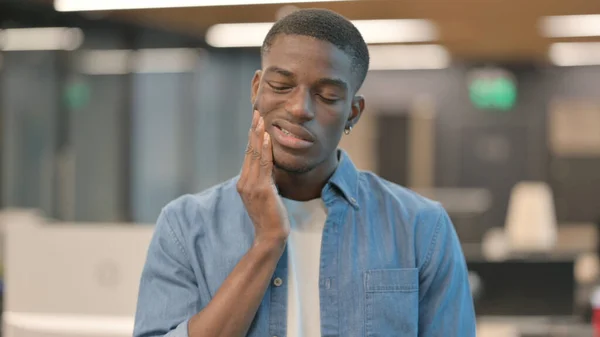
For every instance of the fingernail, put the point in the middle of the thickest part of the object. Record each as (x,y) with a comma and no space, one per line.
(266,139)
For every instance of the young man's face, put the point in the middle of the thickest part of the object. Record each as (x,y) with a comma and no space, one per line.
(305,93)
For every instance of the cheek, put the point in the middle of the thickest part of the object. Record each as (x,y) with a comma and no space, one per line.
(333,123)
(266,101)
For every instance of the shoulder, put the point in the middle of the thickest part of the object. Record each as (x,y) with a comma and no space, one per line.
(424,219)
(191,210)
(408,202)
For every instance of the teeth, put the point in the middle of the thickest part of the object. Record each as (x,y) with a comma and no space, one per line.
(289,134)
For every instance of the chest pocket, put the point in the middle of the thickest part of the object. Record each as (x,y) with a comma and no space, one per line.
(391,302)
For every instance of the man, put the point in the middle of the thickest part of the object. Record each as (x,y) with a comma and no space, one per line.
(301,243)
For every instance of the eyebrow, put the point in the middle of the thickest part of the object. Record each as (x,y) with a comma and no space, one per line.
(323,81)
(334,82)
(281,71)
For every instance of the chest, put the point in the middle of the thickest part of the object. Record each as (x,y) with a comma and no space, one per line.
(352,302)
(363,268)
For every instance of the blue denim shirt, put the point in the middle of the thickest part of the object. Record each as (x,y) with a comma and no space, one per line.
(391,263)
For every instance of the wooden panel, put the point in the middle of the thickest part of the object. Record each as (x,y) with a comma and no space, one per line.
(471,29)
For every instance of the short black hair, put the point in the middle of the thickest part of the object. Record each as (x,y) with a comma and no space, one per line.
(324,25)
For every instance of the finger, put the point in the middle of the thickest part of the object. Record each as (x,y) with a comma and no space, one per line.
(266,159)
(255,117)
(248,153)
(254,145)
(257,138)
(254,169)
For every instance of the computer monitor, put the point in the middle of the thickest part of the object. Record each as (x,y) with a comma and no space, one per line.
(72,279)
(534,287)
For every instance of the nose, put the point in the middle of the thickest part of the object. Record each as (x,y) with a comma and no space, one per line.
(300,104)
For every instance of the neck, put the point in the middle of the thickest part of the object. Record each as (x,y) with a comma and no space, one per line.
(305,186)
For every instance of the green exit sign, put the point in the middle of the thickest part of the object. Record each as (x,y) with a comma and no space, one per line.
(492,89)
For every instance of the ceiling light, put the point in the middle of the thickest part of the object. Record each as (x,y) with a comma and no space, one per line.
(567,54)
(238,34)
(404,57)
(146,61)
(168,60)
(29,39)
(397,31)
(104,62)
(373,32)
(99,5)
(570,26)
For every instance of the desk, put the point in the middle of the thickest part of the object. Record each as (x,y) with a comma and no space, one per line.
(541,326)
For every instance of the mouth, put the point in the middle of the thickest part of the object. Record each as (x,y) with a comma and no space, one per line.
(287,133)
(294,130)
(292,136)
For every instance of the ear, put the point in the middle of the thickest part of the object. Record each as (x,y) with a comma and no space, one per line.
(358,106)
(255,86)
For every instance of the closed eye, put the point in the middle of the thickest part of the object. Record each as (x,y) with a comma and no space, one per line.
(278,88)
(329,100)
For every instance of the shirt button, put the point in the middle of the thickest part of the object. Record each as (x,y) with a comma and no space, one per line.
(278,282)
(353,201)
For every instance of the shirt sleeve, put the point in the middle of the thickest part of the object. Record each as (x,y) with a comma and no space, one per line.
(445,301)
(168,295)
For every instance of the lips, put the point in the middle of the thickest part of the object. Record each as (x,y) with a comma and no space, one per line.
(294,130)
(292,136)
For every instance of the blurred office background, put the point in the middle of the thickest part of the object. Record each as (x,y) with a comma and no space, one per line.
(110,109)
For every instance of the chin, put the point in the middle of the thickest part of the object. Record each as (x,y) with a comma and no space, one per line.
(292,163)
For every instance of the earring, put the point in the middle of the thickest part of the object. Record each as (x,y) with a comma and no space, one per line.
(348,130)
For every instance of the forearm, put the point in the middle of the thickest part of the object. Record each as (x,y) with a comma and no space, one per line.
(231,311)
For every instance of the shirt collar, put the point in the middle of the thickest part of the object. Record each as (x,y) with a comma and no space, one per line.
(345,179)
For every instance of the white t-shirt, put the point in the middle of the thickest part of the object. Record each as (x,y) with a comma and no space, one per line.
(307,220)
